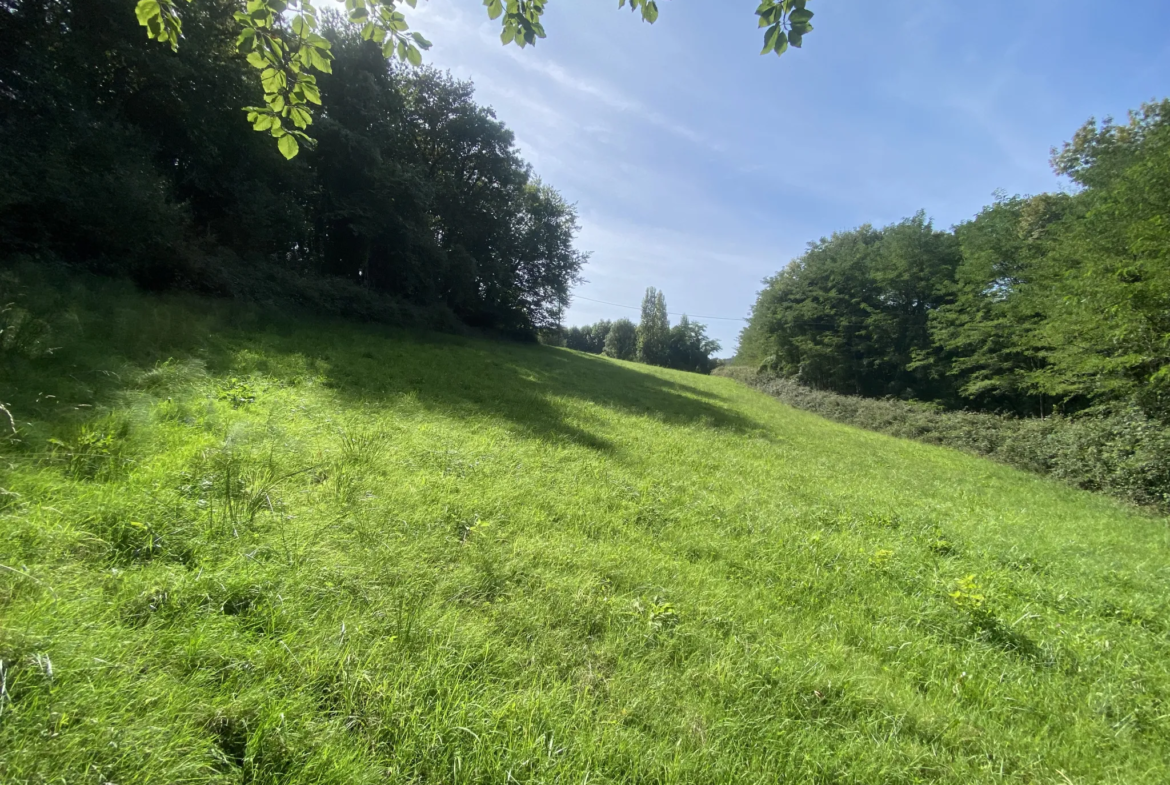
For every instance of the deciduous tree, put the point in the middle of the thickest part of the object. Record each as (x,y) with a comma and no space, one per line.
(621,343)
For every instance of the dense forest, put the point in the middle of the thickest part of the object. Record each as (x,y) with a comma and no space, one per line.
(118,154)
(653,341)
(1057,303)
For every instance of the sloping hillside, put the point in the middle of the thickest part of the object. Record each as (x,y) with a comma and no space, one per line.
(243,548)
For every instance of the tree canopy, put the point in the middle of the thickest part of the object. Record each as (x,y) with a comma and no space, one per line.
(1057,300)
(128,158)
(281,41)
(685,346)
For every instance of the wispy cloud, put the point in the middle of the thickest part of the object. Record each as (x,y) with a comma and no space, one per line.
(610,96)
(701,168)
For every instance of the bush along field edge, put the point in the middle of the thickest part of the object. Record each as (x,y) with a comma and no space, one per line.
(1122,453)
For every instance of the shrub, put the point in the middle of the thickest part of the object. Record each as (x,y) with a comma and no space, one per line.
(1120,452)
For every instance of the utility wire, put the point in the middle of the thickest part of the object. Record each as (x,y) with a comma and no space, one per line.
(671,313)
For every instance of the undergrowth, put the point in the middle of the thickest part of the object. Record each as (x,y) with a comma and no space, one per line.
(1122,453)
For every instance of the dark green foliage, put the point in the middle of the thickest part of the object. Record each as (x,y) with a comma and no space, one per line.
(590,338)
(689,348)
(621,342)
(1107,325)
(1053,303)
(851,314)
(988,339)
(684,347)
(1124,453)
(143,166)
(654,329)
(75,177)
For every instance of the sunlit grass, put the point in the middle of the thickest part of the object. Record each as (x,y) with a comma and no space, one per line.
(240,549)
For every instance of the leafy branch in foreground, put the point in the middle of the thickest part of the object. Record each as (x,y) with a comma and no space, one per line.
(280,41)
(787,22)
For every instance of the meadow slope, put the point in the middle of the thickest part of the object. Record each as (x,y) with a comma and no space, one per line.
(240,548)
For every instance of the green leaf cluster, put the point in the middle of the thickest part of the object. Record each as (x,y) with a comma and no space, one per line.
(162,21)
(649,9)
(785,23)
(852,313)
(279,39)
(520,20)
(380,21)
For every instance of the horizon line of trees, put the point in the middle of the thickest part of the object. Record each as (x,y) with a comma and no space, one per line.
(1056,303)
(653,341)
(128,158)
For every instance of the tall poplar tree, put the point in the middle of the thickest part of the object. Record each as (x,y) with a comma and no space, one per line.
(654,329)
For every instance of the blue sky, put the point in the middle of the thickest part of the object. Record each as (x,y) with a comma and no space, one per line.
(700,167)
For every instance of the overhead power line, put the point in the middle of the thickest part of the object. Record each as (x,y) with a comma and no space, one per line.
(672,313)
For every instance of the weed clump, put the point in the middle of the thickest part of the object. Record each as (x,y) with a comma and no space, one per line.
(238,392)
(95,450)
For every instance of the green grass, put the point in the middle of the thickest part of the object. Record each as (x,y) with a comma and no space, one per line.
(244,549)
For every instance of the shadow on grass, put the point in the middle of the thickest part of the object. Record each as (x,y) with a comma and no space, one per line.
(519,384)
(456,376)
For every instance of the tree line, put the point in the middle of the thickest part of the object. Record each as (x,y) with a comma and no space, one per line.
(653,341)
(1051,303)
(134,159)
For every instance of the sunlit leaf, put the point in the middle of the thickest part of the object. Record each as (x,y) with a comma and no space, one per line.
(288,146)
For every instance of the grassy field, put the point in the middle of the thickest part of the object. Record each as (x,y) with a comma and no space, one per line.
(245,549)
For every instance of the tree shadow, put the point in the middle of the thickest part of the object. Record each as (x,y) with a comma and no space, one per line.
(525,386)
(516,383)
